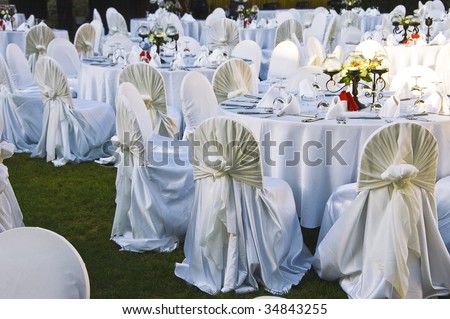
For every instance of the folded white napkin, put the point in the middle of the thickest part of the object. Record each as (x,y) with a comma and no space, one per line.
(336,109)
(391,108)
(155,56)
(420,42)
(390,40)
(216,57)
(306,89)
(272,93)
(23,27)
(272,23)
(261,23)
(187,17)
(202,57)
(292,106)
(439,39)
(437,103)
(178,62)
(404,92)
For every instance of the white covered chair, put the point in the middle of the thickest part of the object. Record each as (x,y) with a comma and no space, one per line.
(171,18)
(351,35)
(284,61)
(117,39)
(116,22)
(385,242)
(286,29)
(36,42)
(223,33)
(154,183)
(232,78)
(217,14)
(13,129)
(318,26)
(442,192)
(292,83)
(369,48)
(99,34)
(198,102)
(64,52)
(249,49)
(331,37)
(315,51)
(243,230)
(150,84)
(84,40)
(37,263)
(189,45)
(20,71)
(10,212)
(282,16)
(73,130)
(406,77)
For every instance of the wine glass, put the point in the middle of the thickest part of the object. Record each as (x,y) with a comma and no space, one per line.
(173,34)
(319,93)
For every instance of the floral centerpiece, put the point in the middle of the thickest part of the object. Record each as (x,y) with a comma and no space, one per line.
(247,15)
(170,6)
(406,22)
(7,12)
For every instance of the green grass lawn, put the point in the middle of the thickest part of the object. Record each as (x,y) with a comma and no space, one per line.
(77,201)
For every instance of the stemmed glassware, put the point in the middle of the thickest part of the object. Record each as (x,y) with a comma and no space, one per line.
(320,95)
(417,91)
(173,34)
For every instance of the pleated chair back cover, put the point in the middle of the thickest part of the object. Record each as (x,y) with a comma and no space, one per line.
(243,230)
(189,45)
(18,65)
(153,201)
(387,243)
(85,40)
(64,52)
(198,102)
(116,22)
(171,18)
(286,28)
(284,61)
(151,87)
(214,16)
(232,78)
(37,263)
(36,42)
(99,34)
(223,33)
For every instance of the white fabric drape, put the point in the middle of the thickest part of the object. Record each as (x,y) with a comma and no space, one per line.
(37,263)
(154,191)
(84,41)
(232,78)
(442,67)
(150,85)
(243,231)
(284,61)
(198,102)
(442,191)
(223,33)
(69,134)
(10,212)
(36,42)
(99,34)
(249,49)
(18,65)
(285,30)
(386,244)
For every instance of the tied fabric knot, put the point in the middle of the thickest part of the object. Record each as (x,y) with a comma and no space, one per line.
(147,100)
(88,45)
(219,166)
(114,30)
(237,92)
(400,175)
(49,93)
(41,49)
(117,143)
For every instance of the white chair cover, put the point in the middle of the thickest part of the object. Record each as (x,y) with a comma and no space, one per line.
(36,42)
(18,65)
(330,39)
(386,244)
(442,191)
(118,39)
(69,132)
(189,45)
(369,48)
(116,22)
(349,18)
(285,30)
(84,41)
(232,78)
(150,84)
(154,190)
(198,102)
(10,213)
(398,10)
(12,128)
(217,14)
(351,35)
(249,49)
(285,59)
(243,230)
(314,48)
(96,15)
(37,263)
(171,18)
(99,34)
(305,72)
(405,76)
(282,16)
(318,26)
(64,52)
(223,33)
(442,67)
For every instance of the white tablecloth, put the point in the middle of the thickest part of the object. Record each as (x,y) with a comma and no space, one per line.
(401,56)
(315,158)
(265,37)
(18,37)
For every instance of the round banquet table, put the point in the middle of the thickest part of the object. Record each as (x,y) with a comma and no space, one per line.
(265,37)
(18,37)
(317,157)
(401,56)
